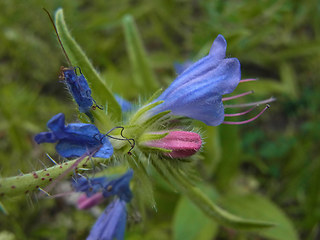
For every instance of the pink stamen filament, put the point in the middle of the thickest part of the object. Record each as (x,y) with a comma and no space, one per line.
(237,96)
(239,114)
(249,120)
(248,80)
(272,99)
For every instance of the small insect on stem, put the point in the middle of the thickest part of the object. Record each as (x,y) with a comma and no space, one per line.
(75,81)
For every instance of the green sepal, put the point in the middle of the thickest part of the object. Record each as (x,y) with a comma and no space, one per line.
(154,96)
(142,111)
(179,180)
(100,91)
(151,137)
(143,76)
(157,149)
(150,121)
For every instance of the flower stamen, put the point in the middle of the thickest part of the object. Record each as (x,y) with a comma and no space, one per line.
(266,101)
(241,113)
(237,96)
(248,80)
(249,120)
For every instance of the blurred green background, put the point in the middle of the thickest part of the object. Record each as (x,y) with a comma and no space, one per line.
(268,167)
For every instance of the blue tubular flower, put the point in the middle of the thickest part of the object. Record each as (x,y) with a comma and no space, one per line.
(112,222)
(116,187)
(197,91)
(79,89)
(75,139)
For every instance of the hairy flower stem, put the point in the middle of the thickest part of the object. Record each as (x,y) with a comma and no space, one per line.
(26,183)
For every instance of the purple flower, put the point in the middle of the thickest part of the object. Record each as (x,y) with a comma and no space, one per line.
(197,91)
(79,88)
(109,187)
(75,139)
(112,222)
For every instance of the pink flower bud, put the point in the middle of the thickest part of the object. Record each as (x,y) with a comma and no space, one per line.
(85,202)
(182,143)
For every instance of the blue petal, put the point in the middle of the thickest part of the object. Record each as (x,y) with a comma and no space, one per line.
(106,150)
(120,187)
(111,224)
(82,132)
(218,48)
(76,148)
(124,104)
(45,137)
(56,123)
(89,186)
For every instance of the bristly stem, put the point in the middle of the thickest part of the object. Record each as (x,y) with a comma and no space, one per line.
(26,183)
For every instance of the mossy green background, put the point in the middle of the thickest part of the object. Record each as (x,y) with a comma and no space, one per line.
(276,157)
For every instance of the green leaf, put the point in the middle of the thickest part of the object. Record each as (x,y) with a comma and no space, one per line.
(100,90)
(255,206)
(190,223)
(143,75)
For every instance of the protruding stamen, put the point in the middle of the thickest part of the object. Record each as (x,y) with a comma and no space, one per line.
(269,100)
(249,120)
(248,80)
(237,96)
(239,114)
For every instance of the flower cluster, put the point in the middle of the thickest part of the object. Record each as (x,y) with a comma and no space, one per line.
(196,93)
(112,222)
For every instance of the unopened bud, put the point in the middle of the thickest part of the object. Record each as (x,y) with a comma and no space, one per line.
(176,144)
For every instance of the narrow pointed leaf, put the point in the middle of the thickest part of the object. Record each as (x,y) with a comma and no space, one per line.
(100,91)
(143,75)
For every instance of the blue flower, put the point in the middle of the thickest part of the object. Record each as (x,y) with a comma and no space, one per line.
(79,89)
(197,91)
(112,222)
(75,139)
(109,187)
